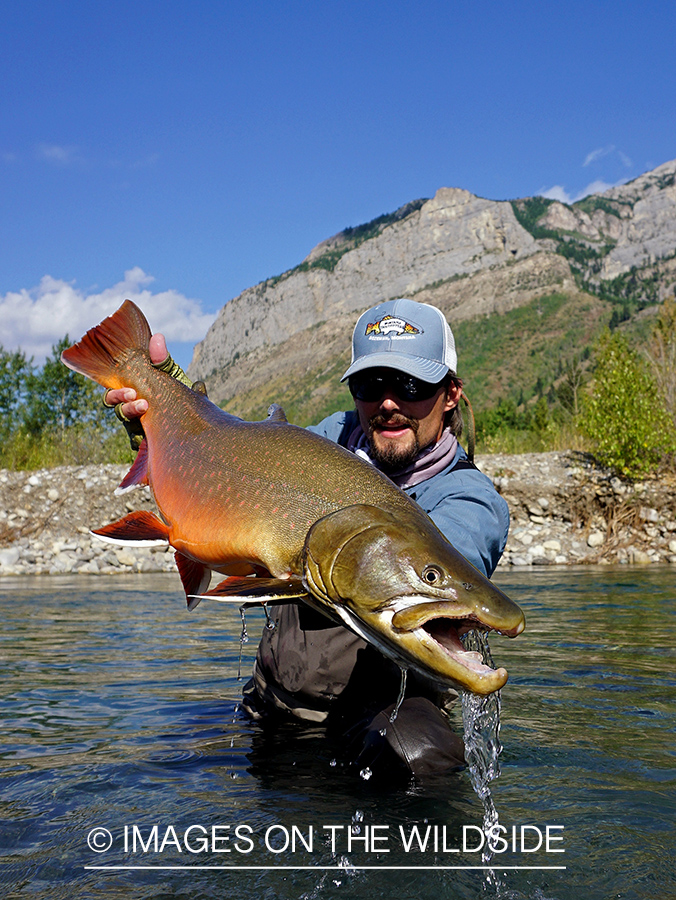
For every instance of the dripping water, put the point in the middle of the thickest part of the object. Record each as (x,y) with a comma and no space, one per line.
(400,698)
(243,639)
(269,624)
(481,722)
(357,818)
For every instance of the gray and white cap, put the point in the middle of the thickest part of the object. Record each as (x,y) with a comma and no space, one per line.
(406,335)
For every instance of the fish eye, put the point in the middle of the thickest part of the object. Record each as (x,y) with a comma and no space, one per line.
(432,574)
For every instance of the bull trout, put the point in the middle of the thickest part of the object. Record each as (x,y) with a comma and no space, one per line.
(290,516)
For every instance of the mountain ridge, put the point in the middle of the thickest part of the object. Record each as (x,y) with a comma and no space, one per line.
(287,339)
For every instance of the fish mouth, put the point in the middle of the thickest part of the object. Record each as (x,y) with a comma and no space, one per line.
(443,617)
(446,633)
(424,637)
(437,628)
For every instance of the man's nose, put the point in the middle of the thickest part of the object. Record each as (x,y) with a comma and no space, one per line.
(389,401)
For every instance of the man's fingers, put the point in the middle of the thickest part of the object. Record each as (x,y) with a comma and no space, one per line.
(158,349)
(134,409)
(119,395)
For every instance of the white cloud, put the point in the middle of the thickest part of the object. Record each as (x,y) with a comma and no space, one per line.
(597,154)
(596,187)
(610,150)
(558,192)
(54,153)
(36,319)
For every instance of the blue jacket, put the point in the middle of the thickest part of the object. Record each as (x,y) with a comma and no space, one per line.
(460,500)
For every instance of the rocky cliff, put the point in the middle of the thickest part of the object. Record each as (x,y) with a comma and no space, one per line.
(288,337)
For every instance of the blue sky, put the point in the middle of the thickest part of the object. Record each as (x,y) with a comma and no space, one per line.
(180,152)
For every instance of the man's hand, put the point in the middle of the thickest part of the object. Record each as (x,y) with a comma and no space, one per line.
(131,407)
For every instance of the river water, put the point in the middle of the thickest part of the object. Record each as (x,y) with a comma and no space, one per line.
(119,712)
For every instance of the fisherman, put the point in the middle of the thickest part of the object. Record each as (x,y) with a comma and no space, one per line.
(406,421)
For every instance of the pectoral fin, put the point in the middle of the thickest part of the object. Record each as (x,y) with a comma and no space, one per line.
(138,529)
(255,590)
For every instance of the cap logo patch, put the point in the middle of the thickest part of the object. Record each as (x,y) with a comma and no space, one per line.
(391,326)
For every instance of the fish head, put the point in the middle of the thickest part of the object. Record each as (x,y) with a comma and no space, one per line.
(395,580)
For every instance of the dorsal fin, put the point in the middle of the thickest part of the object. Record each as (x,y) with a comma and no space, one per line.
(277,415)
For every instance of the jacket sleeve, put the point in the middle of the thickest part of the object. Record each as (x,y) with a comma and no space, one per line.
(337,427)
(466,508)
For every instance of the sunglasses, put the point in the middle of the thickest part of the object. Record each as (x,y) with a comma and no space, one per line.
(370,385)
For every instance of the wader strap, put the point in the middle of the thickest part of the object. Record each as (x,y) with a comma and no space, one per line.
(471,429)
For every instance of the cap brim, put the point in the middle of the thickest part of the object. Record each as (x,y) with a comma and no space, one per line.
(417,366)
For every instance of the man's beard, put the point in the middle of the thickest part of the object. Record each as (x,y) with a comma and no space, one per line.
(392,458)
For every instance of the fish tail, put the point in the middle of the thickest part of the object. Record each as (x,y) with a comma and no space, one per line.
(104,351)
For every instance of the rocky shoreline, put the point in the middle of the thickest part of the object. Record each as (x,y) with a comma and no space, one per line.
(565,511)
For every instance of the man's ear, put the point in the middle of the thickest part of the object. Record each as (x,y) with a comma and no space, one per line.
(453,395)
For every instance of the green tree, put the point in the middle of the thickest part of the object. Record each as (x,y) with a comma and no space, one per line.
(15,370)
(568,392)
(58,397)
(624,415)
(540,421)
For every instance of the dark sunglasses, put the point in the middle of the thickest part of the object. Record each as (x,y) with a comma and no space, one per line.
(371,384)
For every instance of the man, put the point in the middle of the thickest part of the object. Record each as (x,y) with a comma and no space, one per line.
(407,423)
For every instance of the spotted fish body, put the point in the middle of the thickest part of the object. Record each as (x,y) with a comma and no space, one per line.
(234,491)
(243,498)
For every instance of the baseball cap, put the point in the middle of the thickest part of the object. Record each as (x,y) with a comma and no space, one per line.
(405,335)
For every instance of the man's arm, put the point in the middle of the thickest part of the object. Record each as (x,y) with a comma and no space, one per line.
(469,512)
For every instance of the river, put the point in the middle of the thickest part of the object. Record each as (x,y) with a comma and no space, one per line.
(128,770)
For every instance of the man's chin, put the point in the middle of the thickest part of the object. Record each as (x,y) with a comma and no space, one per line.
(394,453)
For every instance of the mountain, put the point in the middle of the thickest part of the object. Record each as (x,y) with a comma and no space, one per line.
(525,285)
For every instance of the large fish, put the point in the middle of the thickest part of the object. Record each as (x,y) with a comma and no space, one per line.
(305,517)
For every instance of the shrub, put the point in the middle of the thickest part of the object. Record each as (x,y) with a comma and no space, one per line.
(624,416)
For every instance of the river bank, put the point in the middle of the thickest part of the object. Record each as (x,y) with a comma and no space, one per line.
(565,511)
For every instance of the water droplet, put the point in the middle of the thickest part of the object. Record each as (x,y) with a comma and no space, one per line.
(366,773)
(244,636)
(400,698)
(243,639)
(333,763)
(481,722)
(358,815)
(269,624)
(382,732)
